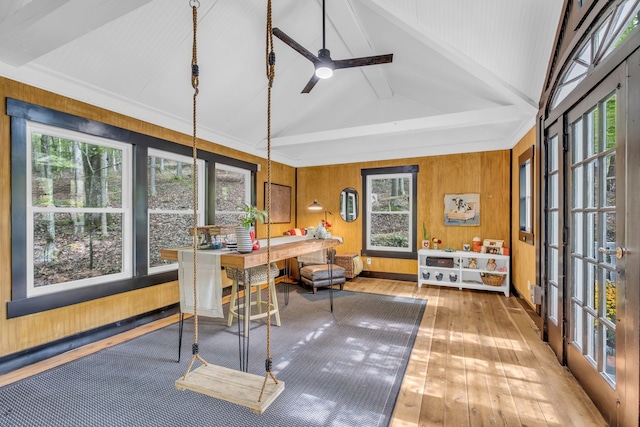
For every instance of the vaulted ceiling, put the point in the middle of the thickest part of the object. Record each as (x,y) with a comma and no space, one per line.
(466,75)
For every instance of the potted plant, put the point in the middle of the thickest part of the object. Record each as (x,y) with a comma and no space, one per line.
(425,237)
(250,214)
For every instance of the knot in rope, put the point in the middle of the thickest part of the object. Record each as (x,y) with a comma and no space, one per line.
(268,364)
(195,348)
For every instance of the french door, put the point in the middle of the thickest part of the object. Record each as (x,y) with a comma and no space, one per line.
(591,195)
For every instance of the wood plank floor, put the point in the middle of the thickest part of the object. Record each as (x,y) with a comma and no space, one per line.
(477,361)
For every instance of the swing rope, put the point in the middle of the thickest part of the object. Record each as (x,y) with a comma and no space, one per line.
(195,81)
(270,63)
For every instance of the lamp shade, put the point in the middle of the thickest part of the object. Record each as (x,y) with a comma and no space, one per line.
(315,206)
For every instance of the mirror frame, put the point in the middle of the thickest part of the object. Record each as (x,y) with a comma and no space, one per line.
(345,195)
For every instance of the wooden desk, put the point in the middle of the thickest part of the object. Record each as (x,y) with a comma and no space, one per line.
(279,252)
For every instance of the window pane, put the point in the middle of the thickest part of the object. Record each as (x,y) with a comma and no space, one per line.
(578,238)
(390,219)
(592,341)
(170,184)
(160,238)
(233,187)
(578,280)
(592,177)
(578,325)
(69,247)
(66,173)
(553,228)
(578,187)
(577,146)
(610,180)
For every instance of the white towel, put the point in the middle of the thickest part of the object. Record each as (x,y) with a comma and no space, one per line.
(209,282)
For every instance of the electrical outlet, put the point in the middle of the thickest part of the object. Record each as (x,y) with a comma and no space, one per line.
(369,261)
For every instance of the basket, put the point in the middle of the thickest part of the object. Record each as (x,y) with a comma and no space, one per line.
(492,279)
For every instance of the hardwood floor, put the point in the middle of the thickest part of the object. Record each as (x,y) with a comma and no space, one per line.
(477,360)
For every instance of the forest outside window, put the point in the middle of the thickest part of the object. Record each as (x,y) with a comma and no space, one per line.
(525,162)
(233,191)
(390,217)
(170,203)
(78,210)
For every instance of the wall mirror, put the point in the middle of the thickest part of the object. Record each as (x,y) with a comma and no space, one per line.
(349,204)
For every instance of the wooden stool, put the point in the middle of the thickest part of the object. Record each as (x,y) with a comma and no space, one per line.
(255,277)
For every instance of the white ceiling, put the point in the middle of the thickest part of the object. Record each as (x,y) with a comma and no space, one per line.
(466,75)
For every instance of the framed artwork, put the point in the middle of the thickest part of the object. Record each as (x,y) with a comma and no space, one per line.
(280,203)
(462,209)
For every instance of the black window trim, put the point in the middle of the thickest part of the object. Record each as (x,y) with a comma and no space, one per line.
(413,169)
(21,112)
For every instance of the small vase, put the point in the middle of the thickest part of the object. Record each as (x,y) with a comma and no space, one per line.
(243,236)
(436,246)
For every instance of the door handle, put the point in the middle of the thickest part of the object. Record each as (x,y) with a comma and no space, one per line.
(618,252)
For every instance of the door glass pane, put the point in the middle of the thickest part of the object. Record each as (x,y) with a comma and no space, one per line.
(610,123)
(592,341)
(578,325)
(552,164)
(578,279)
(591,230)
(591,133)
(592,178)
(611,296)
(553,228)
(553,304)
(578,238)
(577,143)
(591,286)
(578,186)
(610,352)
(610,180)
(553,265)
(553,191)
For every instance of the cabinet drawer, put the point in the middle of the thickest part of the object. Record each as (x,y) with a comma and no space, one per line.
(439,262)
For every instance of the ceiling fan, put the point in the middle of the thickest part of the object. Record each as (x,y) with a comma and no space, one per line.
(323,63)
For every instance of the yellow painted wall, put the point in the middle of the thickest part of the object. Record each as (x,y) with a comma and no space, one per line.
(40,328)
(486,173)
(523,254)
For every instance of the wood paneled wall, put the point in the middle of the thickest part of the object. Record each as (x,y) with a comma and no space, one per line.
(486,173)
(33,330)
(523,254)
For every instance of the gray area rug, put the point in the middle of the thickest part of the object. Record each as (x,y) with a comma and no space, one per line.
(340,369)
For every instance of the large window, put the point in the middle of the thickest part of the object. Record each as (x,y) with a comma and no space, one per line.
(525,162)
(390,212)
(92,205)
(170,195)
(614,29)
(78,210)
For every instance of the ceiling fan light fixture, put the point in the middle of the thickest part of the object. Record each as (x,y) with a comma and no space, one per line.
(324,66)
(324,71)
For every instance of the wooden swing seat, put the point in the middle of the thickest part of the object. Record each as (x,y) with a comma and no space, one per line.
(240,388)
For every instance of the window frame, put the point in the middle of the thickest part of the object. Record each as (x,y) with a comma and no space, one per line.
(124,210)
(526,193)
(411,251)
(19,112)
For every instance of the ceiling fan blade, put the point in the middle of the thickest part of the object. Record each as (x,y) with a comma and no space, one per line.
(310,84)
(361,62)
(294,45)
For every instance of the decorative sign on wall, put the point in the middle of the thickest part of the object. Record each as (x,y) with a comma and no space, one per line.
(462,209)
(280,203)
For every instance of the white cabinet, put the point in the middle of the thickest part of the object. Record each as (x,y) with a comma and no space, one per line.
(461,269)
